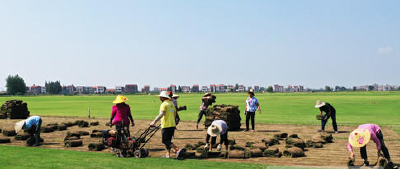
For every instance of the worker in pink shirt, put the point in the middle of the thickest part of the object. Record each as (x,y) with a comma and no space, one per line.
(121,114)
(360,138)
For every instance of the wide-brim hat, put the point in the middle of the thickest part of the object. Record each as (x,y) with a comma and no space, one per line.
(359,137)
(319,104)
(18,126)
(214,130)
(207,94)
(164,94)
(175,96)
(120,99)
(251,91)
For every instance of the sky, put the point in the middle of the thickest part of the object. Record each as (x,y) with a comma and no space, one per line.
(254,42)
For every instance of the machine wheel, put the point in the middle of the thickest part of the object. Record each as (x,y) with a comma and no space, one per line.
(137,154)
(144,152)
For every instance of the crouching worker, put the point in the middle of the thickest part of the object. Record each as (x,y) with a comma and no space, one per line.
(32,125)
(167,117)
(218,127)
(360,138)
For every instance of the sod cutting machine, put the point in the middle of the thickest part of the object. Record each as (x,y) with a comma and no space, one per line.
(125,146)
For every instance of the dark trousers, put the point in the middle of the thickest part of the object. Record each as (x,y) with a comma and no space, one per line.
(223,139)
(250,115)
(201,113)
(363,150)
(34,131)
(333,116)
(167,134)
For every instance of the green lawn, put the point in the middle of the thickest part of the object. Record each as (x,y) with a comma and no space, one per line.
(27,157)
(353,108)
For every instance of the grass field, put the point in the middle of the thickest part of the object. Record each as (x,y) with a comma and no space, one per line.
(352,108)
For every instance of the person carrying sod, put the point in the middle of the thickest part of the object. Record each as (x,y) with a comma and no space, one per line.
(204,105)
(330,112)
(218,127)
(32,125)
(251,107)
(174,99)
(360,138)
(167,117)
(121,114)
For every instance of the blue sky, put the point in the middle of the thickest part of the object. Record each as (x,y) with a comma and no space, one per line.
(311,43)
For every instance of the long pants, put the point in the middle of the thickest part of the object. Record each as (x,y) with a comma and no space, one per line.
(250,115)
(333,116)
(119,129)
(201,113)
(167,134)
(34,131)
(363,150)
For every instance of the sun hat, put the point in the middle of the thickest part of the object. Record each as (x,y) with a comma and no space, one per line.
(319,104)
(207,94)
(214,130)
(251,91)
(120,99)
(175,95)
(359,137)
(18,126)
(164,94)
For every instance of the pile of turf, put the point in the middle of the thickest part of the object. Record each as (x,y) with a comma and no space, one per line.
(262,147)
(31,141)
(294,152)
(14,109)
(9,133)
(294,136)
(236,147)
(229,113)
(256,153)
(295,142)
(281,136)
(96,134)
(96,146)
(195,146)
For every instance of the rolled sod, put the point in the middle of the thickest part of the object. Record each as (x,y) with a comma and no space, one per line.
(294,136)
(73,143)
(71,138)
(232,142)
(262,147)
(239,154)
(73,134)
(271,152)
(190,147)
(294,152)
(318,145)
(96,135)
(22,136)
(62,127)
(96,123)
(188,154)
(236,147)
(31,140)
(249,144)
(320,117)
(350,162)
(83,133)
(270,141)
(9,133)
(290,142)
(47,129)
(5,140)
(96,146)
(281,136)
(256,153)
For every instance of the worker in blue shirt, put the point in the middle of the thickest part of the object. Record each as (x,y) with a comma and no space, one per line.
(32,125)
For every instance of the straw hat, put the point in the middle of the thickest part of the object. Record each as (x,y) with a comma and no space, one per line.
(175,96)
(120,99)
(319,104)
(251,91)
(164,94)
(18,126)
(214,130)
(207,94)
(359,137)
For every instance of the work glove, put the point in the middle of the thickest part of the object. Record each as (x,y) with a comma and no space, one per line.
(219,147)
(325,117)
(206,146)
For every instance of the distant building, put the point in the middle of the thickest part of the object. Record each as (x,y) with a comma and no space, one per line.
(146,89)
(35,89)
(173,88)
(257,88)
(195,88)
(43,90)
(185,89)
(131,88)
(204,89)
(119,89)
(213,88)
(80,90)
(110,91)
(278,88)
(100,90)
(241,88)
(70,89)
(230,88)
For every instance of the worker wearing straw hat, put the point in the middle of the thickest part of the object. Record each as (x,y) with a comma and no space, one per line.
(360,138)
(330,112)
(167,117)
(251,107)
(121,114)
(174,98)
(217,127)
(32,125)
(203,108)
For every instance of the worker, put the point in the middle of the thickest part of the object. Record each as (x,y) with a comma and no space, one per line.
(121,114)
(167,117)
(217,127)
(330,112)
(174,99)
(203,107)
(32,125)
(252,106)
(360,138)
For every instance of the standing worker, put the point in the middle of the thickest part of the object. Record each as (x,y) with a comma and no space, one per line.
(218,127)
(167,117)
(33,125)
(251,107)
(329,112)
(121,114)
(204,105)
(360,138)
(175,101)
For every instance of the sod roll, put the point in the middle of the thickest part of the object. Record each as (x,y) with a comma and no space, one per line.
(96,123)
(294,136)
(5,140)
(350,161)
(294,152)
(62,127)
(236,147)
(96,146)
(83,133)
(260,146)
(256,153)
(22,136)
(249,144)
(270,141)
(290,142)
(271,152)
(47,129)
(9,133)
(73,143)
